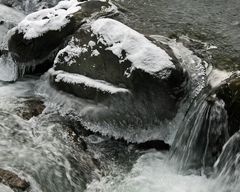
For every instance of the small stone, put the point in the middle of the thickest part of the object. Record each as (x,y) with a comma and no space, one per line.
(12,180)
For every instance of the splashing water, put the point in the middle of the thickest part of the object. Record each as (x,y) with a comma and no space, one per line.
(202,133)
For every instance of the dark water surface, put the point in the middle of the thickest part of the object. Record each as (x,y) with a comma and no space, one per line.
(216,22)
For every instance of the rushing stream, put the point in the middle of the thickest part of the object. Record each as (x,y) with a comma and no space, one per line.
(55,153)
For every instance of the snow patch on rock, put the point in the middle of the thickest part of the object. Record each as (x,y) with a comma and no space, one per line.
(73,78)
(40,22)
(72,50)
(139,50)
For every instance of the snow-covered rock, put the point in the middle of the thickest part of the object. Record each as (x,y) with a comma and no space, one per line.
(38,37)
(145,81)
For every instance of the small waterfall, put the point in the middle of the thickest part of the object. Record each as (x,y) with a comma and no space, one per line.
(202,133)
(227,167)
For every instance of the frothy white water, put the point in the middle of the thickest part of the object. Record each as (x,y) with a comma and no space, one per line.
(40,149)
(21,88)
(4,188)
(8,69)
(190,62)
(153,173)
(217,76)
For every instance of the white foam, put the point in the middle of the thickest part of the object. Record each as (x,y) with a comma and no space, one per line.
(8,69)
(4,188)
(217,76)
(152,173)
(190,62)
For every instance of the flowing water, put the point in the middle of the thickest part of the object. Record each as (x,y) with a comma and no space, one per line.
(56,154)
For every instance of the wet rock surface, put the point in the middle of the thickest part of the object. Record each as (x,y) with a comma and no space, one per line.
(229,91)
(31,107)
(13,180)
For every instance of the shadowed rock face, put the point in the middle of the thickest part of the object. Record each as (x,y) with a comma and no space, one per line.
(42,49)
(230,93)
(12,180)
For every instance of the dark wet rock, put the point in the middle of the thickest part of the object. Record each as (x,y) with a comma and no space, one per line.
(29,108)
(41,49)
(13,180)
(155,144)
(229,92)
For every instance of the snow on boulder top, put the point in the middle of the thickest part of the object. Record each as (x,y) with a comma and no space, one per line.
(139,50)
(38,23)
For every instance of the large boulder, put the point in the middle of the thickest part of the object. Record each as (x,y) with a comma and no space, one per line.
(229,91)
(139,81)
(39,36)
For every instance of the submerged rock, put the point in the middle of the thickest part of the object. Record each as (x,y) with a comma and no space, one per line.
(13,180)
(39,36)
(30,108)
